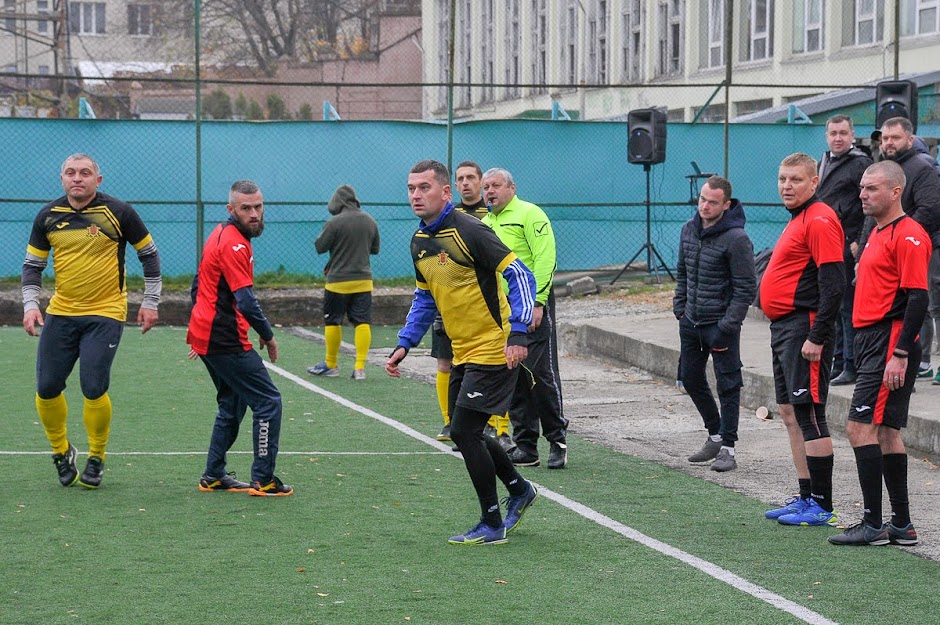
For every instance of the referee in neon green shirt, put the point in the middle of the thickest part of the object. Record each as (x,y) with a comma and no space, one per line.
(526,230)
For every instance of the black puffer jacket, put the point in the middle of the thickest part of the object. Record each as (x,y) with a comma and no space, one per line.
(839,189)
(715,280)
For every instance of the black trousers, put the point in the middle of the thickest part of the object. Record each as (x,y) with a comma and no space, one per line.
(537,399)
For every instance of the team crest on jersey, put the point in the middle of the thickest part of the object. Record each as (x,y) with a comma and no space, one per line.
(442,258)
(93,230)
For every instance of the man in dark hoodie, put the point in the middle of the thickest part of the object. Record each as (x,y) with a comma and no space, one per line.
(715,285)
(350,236)
(840,172)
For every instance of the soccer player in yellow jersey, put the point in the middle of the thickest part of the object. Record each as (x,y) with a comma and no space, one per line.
(458,263)
(89,232)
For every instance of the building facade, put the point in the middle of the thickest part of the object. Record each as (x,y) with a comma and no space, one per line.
(603,58)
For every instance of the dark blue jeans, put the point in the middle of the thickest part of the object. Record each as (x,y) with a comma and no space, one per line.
(696,344)
(242,382)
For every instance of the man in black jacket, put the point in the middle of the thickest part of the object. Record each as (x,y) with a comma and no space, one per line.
(715,285)
(840,172)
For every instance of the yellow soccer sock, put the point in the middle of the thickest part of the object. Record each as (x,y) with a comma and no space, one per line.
(334,336)
(443,382)
(363,341)
(502,424)
(53,413)
(97,416)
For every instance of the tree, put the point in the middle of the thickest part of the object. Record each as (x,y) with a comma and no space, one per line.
(276,107)
(268,31)
(217,105)
(305,113)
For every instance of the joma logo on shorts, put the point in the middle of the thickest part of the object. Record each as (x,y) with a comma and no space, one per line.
(263,427)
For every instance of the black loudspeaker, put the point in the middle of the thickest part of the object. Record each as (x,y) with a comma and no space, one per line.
(646,141)
(896,98)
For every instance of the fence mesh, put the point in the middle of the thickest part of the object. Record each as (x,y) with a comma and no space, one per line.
(178,98)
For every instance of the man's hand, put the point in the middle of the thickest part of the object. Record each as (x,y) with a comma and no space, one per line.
(537,313)
(192,355)
(391,365)
(811,351)
(894,373)
(271,347)
(147,318)
(515,354)
(31,319)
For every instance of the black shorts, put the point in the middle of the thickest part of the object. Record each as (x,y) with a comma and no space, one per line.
(356,306)
(797,380)
(440,343)
(483,388)
(90,340)
(872,402)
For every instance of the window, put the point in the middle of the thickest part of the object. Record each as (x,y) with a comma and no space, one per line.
(9,23)
(486,51)
(712,114)
(863,22)
(926,13)
(716,34)
(540,46)
(598,40)
(669,61)
(745,107)
(42,7)
(514,61)
(631,41)
(86,18)
(760,36)
(808,25)
(569,50)
(443,51)
(464,53)
(140,19)
(44,70)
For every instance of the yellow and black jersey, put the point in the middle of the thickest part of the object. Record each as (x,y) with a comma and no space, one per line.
(478,209)
(88,256)
(458,261)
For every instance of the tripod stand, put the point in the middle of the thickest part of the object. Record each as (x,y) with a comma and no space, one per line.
(648,246)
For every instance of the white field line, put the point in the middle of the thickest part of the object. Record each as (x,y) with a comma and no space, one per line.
(735,581)
(242,453)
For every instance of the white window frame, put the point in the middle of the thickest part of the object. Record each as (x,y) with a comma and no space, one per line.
(921,6)
(569,47)
(42,7)
(871,16)
(816,26)
(464,53)
(443,61)
(89,17)
(513,35)
(487,45)
(756,35)
(540,46)
(631,40)
(716,33)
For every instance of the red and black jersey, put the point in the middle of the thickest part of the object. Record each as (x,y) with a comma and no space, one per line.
(894,260)
(216,325)
(813,237)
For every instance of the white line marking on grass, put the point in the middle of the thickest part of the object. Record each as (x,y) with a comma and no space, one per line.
(713,570)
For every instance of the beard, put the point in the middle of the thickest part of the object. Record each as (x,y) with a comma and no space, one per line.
(250,230)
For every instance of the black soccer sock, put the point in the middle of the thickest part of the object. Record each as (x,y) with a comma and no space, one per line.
(466,430)
(491,514)
(805,488)
(870,464)
(820,475)
(895,476)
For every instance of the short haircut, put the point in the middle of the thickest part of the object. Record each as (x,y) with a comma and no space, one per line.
(893,173)
(499,171)
(470,164)
(903,122)
(81,156)
(838,119)
(440,170)
(243,187)
(717,182)
(800,159)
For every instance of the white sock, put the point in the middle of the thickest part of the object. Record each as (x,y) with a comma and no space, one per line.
(730,450)
(716,438)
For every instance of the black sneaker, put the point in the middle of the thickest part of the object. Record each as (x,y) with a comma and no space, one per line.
(522,458)
(274,488)
(91,476)
(226,482)
(905,536)
(65,465)
(557,455)
(862,534)
(445,434)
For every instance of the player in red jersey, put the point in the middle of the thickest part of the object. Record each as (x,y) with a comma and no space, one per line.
(224,306)
(890,306)
(801,293)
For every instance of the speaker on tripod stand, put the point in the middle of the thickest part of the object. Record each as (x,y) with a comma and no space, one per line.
(646,145)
